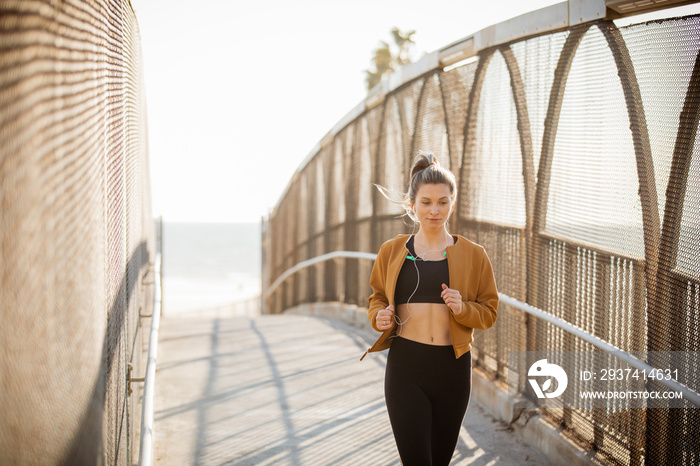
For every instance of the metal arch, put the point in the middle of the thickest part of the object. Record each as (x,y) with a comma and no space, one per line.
(673,211)
(393,112)
(680,167)
(551,125)
(451,157)
(665,338)
(295,233)
(374,240)
(642,149)
(419,105)
(405,130)
(454,158)
(351,174)
(640,134)
(309,177)
(318,166)
(328,270)
(524,131)
(470,121)
(420,111)
(349,150)
(656,446)
(321,189)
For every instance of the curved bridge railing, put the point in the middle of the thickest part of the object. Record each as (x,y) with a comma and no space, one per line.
(574,139)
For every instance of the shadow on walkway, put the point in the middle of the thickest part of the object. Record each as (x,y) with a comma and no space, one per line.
(288,390)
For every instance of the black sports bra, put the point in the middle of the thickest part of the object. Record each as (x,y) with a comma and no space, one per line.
(432,275)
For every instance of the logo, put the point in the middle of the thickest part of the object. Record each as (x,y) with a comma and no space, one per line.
(542,369)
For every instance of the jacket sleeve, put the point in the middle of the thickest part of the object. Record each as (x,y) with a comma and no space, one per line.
(482,312)
(378,299)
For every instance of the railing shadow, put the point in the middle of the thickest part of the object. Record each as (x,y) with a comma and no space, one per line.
(88,445)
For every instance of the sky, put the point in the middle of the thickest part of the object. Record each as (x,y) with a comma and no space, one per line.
(239,92)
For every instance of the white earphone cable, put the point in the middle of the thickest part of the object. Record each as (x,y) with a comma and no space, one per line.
(397,319)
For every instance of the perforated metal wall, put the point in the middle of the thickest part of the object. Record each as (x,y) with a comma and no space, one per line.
(76,234)
(578,166)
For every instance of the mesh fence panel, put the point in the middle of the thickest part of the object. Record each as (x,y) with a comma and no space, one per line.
(578,167)
(76,234)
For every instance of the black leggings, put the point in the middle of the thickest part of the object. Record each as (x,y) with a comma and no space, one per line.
(427,393)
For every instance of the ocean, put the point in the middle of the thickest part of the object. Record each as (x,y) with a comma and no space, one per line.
(211,267)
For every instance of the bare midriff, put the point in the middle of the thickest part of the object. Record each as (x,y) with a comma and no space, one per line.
(427,323)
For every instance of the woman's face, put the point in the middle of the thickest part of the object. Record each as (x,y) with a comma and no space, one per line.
(433,205)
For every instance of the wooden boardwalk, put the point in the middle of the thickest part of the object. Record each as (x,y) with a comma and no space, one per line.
(289,390)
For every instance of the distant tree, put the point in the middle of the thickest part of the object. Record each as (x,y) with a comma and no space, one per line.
(386,60)
(404,41)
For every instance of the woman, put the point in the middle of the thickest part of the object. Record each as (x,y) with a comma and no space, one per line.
(430,290)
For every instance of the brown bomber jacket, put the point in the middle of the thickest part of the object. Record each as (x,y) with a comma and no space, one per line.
(470,273)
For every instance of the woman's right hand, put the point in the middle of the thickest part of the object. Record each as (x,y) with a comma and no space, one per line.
(385,318)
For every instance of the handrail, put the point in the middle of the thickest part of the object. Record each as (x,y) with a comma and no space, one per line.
(146,445)
(688,394)
(691,395)
(307,263)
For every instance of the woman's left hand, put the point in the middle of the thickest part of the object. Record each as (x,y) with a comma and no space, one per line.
(452,298)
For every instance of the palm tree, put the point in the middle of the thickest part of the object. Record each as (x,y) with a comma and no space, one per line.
(385,60)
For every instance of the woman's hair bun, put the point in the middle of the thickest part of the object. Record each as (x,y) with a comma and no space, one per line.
(422,161)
